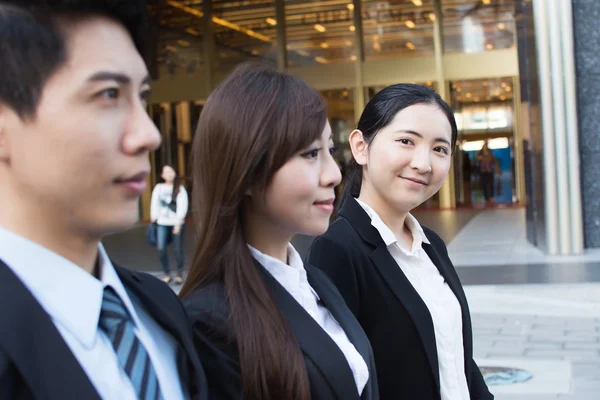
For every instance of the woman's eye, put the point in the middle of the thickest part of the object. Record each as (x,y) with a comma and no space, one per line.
(442,150)
(405,141)
(314,153)
(333,150)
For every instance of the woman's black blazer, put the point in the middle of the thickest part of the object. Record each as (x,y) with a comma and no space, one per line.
(329,374)
(391,312)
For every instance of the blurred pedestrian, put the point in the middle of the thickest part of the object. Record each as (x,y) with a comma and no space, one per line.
(168,208)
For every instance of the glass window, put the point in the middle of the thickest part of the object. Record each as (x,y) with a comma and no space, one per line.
(483,104)
(244,30)
(394,29)
(319,32)
(179,40)
(478,26)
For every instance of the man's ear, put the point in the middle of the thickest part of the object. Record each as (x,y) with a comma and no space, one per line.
(359,147)
(4,142)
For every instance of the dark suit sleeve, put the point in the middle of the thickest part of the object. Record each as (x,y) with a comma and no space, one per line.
(11,385)
(215,344)
(479,390)
(333,259)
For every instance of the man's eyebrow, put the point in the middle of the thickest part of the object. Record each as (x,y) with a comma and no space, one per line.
(110,76)
(117,77)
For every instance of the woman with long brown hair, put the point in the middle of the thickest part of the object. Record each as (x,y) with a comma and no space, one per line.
(266,325)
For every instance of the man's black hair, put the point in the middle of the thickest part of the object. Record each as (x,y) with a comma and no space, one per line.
(33,42)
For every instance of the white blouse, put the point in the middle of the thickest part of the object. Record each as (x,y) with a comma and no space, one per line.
(438,297)
(293,278)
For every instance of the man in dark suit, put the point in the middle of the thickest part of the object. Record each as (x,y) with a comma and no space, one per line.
(74,145)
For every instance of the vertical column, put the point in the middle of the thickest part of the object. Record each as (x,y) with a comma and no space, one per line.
(184,135)
(359,89)
(545,79)
(554,30)
(208,45)
(518,142)
(281,35)
(572,129)
(560,138)
(447,193)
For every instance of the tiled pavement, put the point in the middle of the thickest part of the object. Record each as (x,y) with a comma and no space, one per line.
(554,335)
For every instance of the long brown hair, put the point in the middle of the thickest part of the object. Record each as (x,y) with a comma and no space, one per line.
(251,125)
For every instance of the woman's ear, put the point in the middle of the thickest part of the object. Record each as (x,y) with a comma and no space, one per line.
(359,147)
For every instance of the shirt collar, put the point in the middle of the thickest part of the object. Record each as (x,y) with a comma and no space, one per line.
(386,233)
(71,296)
(272,263)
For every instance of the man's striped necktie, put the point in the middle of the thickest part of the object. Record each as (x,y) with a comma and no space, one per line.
(116,322)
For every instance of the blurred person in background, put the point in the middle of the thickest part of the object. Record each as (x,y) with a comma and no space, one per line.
(74,143)
(168,208)
(487,165)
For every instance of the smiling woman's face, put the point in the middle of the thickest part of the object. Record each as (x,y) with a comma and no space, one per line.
(409,159)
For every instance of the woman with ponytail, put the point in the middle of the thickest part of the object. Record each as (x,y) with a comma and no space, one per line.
(266,325)
(394,274)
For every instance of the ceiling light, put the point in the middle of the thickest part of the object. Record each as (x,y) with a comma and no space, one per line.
(320,28)
(410,45)
(271,21)
(502,97)
(324,45)
(469,95)
(350,6)
(485,83)
(486,1)
(489,46)
(418,3)
(348,43)
(321,60)
(432,17)
(352,28)
(353,58)
(410,24)
(192,31)
(501,26)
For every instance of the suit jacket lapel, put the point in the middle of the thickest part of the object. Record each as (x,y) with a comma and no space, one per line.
(451,278)
(134,284)
(36,347)
(338,309)
(314,341)
(396,280)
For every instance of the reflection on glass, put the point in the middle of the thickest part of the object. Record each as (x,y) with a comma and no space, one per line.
(179,39)
(244,30)
(393,29)
(319,32)
(477,26)
(483,104)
